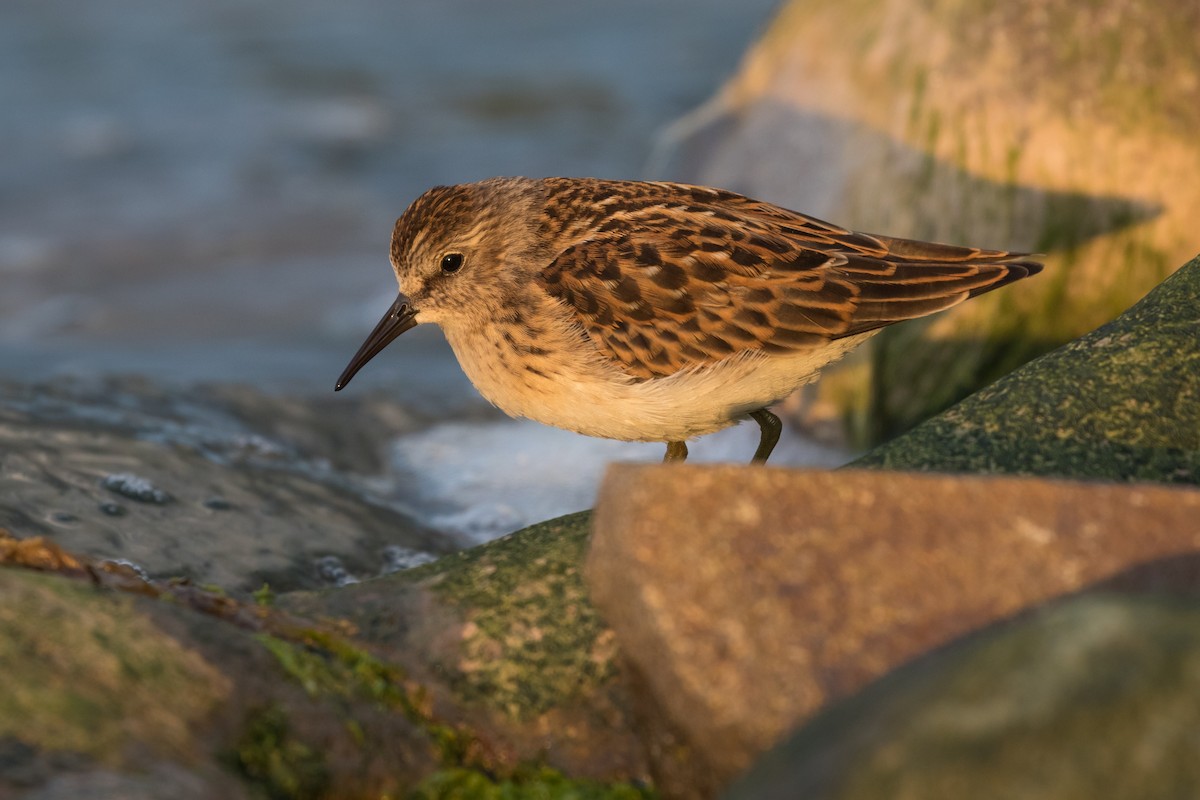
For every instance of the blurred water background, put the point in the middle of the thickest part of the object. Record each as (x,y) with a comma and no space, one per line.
(204,192)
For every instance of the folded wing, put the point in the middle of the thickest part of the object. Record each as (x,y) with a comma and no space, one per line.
(672,276)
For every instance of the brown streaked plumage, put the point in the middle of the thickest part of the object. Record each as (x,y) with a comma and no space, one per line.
(655,311)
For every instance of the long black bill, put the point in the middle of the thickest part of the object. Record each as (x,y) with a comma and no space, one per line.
(399,318)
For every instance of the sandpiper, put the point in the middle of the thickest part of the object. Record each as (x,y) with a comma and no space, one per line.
(651,311)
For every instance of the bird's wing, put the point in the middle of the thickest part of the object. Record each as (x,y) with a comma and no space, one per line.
(680,276)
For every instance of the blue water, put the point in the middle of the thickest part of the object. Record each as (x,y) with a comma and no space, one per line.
(205,190)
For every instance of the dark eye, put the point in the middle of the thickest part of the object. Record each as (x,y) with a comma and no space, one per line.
(451,263)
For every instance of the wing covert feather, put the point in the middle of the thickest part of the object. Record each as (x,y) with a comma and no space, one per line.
(673,276)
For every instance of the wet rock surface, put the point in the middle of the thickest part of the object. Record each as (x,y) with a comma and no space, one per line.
(222,485)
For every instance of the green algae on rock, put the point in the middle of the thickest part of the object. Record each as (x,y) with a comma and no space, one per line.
(285,767)
(278,763)
(327,666)
(532,640)
(536,783)
(528,641)
(120,678)
(505,644)
(85,672)
(1121,403)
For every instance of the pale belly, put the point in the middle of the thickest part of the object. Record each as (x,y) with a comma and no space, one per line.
(571,388)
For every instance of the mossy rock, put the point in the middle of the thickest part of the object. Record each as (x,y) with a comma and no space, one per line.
(1091,697)
(505,640)
(85,672)
(196,687)
(528,640)
(1121,403)
(1047,126)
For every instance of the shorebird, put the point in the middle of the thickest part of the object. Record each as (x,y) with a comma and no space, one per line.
(650,311)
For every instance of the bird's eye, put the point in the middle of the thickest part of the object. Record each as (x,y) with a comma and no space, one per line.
(451,263)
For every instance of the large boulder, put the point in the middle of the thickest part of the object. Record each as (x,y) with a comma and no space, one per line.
(1121,403)
(746,600)
(1047,126)
(1091,697)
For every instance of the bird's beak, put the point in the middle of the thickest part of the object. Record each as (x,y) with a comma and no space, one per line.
(399,318)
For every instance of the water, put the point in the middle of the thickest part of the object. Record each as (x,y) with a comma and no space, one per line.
(225,174)
(202,193)
(477,481)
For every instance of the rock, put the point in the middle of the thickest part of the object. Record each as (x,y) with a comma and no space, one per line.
(133,698)
(1092,697)
(746,600)
(1121,403)
(224,486)
(104,675)
(212,696)
(953,122)
(486,675)
(505,641)
(161,782)
(135,487)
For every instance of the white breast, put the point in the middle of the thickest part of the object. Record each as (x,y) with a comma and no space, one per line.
(577,387)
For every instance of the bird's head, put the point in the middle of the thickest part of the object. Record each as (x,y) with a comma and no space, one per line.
(461,255)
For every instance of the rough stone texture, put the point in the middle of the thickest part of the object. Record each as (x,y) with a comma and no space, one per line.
(986,124)
(109,679)
(1121,403)
(1093,697)
(238,487)
(100,673)
(487,675)
(748,599)
(505,640)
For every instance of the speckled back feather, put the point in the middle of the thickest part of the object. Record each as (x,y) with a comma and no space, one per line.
(667,277)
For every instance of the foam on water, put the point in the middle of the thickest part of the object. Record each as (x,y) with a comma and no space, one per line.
(476,482)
